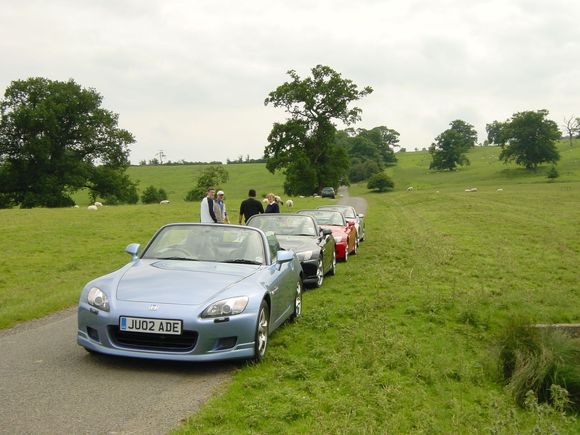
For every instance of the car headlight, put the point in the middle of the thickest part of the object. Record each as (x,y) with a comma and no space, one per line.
(304,256)
(97,298)
(338,239)
(226,307)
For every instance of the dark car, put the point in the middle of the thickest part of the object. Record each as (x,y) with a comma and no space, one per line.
(314,246)
(328,192)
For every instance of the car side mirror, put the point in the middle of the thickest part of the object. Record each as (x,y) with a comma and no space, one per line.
(133,249)
(284,256)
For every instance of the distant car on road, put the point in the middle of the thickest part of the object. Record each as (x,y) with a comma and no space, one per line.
(344,232)
(314,246)
(197,292)
(328,192)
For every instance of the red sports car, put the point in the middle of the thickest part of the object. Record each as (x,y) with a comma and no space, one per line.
(343,231)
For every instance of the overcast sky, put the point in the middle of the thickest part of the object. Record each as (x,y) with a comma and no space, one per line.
(190,77)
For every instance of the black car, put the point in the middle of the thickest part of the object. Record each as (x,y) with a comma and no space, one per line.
(313,245)
(328,192)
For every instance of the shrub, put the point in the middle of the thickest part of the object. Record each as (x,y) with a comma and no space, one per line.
(152,195)
(538,359)
(553,173)
(380,182)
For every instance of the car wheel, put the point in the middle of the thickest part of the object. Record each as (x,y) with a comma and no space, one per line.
(261,339)
(332,270)
(320,272)
(297,302)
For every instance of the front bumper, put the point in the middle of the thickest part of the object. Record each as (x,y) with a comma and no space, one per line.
(202,339)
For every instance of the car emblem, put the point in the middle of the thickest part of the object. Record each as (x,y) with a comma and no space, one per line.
(153,307)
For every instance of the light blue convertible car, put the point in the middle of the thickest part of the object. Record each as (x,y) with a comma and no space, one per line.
(197,292)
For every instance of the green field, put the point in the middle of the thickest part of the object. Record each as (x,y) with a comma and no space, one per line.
(402,340)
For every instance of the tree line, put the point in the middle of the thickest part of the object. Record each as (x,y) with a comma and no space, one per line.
(55,139)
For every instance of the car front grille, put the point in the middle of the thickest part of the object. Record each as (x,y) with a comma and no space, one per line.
(166,342)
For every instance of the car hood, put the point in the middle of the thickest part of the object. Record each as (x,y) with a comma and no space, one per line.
(179,282)
(298,243)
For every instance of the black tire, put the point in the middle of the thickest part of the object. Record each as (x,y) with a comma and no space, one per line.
(262,327)
(297,301)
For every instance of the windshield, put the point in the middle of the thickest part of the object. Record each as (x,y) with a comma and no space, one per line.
(326,217)
(285,225)
(348,211)
(221,243)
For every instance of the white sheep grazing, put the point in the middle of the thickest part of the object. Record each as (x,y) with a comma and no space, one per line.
(75,206)
(92,207)
(277,199)
(290,203)
(410,189)
(98,204)
(265,200)
(500,190)
(164,202)
(471,189)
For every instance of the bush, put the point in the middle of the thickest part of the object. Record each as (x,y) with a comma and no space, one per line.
(380,182)
(538,359)
(152,195)
(553,173)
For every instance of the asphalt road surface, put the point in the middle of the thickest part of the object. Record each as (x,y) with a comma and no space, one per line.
(50,385)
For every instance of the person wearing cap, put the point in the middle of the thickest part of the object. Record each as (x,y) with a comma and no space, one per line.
(220,209)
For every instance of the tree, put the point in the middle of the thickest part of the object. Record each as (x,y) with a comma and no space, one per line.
(572,126)
(314,104)
(213,175)
(529,138)
(450,147)
(380,182)
(53,138)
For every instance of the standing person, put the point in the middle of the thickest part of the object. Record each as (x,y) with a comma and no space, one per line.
(206,211)
(272,206)
(250,206)
(221,213)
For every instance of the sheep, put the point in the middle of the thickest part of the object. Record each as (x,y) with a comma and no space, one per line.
(289,203)
(277,199)
(471,189)
(410,189)
(75,206)
(164,202)
(92,207)
(500,190)
(98,204)
(265,200)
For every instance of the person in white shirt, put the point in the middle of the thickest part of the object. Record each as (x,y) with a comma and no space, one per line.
(206,211)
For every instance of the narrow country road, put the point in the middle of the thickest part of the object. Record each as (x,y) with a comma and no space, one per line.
(50,385)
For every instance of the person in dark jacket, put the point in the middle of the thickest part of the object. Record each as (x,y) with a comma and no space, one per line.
(272,206)
(251,206)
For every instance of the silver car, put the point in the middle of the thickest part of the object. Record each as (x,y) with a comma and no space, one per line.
(197,292)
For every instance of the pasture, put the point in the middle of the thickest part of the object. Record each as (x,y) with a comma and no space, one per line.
(402,340)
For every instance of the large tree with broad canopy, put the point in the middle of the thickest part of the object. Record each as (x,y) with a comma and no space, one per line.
(304,146)
(55,138)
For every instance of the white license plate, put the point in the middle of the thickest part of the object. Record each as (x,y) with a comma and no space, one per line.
(152,326)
